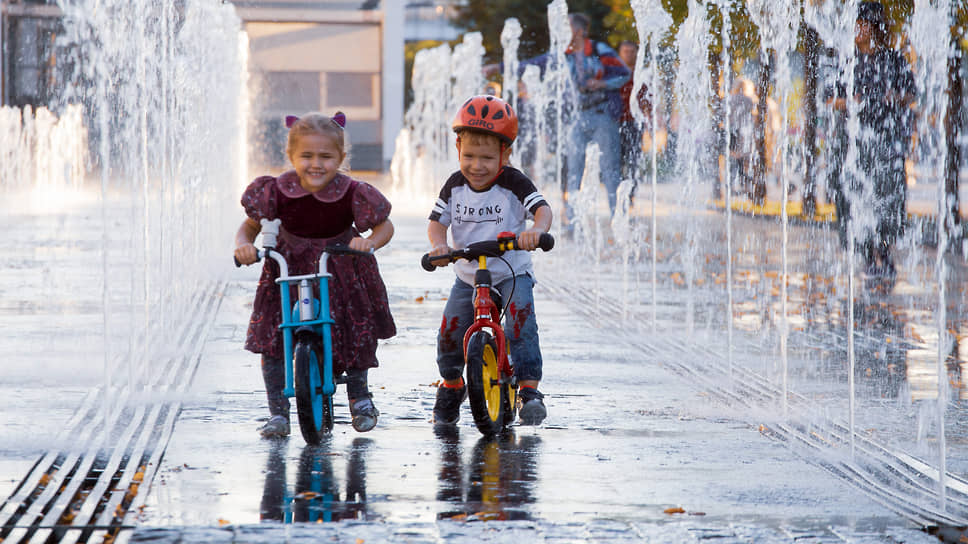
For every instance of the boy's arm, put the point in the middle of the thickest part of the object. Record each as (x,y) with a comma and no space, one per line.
(528,239)
(437,233)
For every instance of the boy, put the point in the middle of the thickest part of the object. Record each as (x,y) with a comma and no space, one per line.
(486,197)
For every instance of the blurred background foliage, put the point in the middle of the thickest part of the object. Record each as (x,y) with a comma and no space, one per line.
(613,21)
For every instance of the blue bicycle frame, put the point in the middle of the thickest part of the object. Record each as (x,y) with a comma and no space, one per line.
(308,319)
(309,312)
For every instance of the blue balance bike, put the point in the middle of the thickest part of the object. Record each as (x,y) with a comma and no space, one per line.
(306,337)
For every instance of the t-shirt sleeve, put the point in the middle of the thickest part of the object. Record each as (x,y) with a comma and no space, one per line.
(525,190)
(442,212)
(370,207)
(260,199)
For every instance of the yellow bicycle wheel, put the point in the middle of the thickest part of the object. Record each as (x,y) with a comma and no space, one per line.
(486,392)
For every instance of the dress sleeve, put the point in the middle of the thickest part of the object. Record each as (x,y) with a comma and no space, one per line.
(370,207)
(260,198)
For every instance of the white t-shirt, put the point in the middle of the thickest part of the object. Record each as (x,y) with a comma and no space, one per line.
(475,216)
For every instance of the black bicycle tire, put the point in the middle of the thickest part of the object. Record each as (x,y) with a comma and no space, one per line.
(488,400)
(511,404)
(308,384)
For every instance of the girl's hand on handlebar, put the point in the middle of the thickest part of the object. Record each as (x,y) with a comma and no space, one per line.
(362,244)
(246,254)
(528,239)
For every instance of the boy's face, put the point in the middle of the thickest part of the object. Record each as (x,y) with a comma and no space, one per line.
(481,160)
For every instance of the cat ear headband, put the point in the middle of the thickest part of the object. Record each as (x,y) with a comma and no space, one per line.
(339,120)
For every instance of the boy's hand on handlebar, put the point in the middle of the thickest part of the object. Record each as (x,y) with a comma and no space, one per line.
(362,244)
(528,239)
(246,254)
(438,251)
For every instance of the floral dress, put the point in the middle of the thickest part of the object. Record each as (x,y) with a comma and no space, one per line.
(310,222)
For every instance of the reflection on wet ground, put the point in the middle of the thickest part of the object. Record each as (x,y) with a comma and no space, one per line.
(317,495)
(632,450)
(494,483)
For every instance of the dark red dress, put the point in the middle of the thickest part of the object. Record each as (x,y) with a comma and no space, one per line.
(310,222)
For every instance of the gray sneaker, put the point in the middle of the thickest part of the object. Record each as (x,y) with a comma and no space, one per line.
(364,414)
(533,410)
(276,427)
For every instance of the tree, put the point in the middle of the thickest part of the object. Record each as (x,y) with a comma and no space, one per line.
(488,16)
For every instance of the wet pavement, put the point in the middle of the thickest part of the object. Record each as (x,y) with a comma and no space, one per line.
(629,451)
(638,446)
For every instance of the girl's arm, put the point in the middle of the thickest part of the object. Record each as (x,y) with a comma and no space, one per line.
(379,236)
(245,251)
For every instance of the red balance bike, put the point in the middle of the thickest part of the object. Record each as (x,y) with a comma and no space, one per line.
(492,388)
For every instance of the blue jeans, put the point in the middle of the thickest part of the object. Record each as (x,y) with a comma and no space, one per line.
(597,127)
(520,327)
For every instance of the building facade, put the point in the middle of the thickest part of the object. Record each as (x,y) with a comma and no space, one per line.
(305,55)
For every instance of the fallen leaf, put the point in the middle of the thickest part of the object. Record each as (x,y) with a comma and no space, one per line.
(674,510)
(307,495)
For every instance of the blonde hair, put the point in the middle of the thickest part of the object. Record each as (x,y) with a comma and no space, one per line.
(317,123)
(476,137)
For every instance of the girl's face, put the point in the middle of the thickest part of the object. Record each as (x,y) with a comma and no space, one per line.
(316,159)
(480,161)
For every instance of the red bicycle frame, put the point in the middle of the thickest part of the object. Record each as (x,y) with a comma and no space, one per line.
(487,314)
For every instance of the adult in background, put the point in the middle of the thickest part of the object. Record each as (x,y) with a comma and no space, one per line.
(884,90)
(598,75)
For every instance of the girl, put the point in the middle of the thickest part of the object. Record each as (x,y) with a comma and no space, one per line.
(319,206)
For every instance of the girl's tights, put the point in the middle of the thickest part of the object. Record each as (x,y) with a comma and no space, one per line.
(274,377)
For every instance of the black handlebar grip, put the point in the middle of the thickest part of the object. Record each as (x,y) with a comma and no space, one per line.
(426,264)
(239,265)
(546,241)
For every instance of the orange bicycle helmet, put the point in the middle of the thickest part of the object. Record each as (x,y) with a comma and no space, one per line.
(488,114)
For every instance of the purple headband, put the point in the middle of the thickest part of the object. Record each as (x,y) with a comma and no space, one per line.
(339,119)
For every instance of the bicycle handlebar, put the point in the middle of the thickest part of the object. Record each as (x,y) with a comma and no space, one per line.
(487,248)
(338,249)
